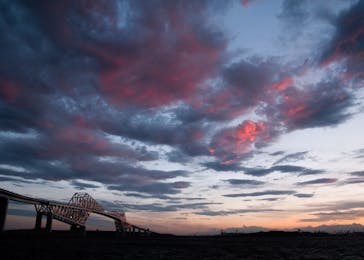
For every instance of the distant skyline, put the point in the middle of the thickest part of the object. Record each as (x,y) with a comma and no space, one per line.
(188,115)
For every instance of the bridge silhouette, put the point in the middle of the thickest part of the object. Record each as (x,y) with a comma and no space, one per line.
(75,212)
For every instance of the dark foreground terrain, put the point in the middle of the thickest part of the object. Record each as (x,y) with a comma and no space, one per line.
(106,245)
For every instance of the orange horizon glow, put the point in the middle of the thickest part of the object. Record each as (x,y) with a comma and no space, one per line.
(190,227)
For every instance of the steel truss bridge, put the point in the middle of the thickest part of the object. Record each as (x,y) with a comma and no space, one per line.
(75,212)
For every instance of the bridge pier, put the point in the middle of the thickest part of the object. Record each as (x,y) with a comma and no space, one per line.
(39,218)
(49,222)
(3,210)
(119,226)
(38,221)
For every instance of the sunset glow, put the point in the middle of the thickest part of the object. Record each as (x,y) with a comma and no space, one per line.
(190,116)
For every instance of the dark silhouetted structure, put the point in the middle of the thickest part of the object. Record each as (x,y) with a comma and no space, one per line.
(75,212)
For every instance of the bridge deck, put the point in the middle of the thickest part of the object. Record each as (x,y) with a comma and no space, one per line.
(116,216)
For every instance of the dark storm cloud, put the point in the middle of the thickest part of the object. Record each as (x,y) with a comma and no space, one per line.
(352,181)
(161,196)
(277,153)
(157,207)
(281,168)
(303,195)
(67,158)
(178,156)
(258,172)
(293,157)
(245,85)
(261,193)
(82,185)
(15,119)
(246,80)
(152,188)
(348,40)
(317,181)
(322,104)
(159,126)
(299,16)
(13,180)
(77,41)
(233,212)
(270,199)
(28,155)
(168,42)
(218,166)
(72,73)
(238,182)
(357,173)
(311,172)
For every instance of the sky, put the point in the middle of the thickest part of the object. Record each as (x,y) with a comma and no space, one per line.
(187,115)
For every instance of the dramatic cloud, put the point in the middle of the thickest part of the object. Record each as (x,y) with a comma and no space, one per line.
(239,182)
(82,185)
(292,157)
(152,188)
(282,168)
(218,166)
(232,212)
(317,181)
(166,208)
(146,99)
(258,172)
(323,104)
(261,193)
(357,173)
(231,144)
(348,41)
(270,199)
(352,181)
(303,195)
(160,196)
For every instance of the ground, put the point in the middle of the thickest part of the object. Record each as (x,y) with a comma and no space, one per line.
(107,245)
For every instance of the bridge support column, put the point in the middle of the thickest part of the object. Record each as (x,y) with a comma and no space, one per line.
(49,222)
(119,226)
(3,210)
(38,221)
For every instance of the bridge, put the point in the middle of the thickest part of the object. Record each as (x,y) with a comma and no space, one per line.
(75,212)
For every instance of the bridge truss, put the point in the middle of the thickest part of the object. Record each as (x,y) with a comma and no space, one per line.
(75,212)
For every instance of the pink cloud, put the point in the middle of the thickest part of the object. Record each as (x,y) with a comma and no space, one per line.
(229,144)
